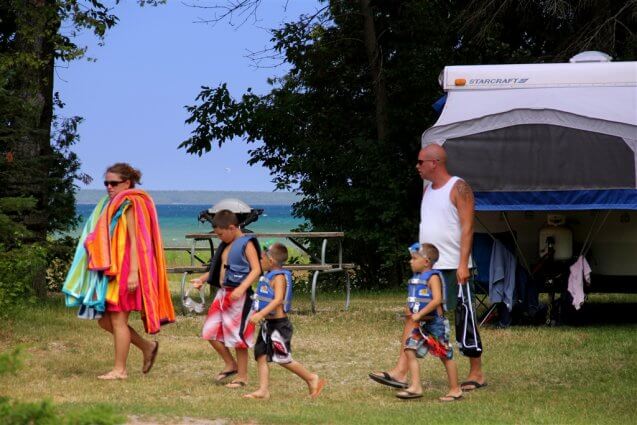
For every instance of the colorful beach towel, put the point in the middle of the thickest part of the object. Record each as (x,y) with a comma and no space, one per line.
(86,288)
(108,243)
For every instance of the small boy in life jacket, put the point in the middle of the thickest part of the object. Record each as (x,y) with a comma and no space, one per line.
(272,301)
(233,269)
(426,304)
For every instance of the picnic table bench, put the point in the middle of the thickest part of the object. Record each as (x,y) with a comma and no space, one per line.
(317,266)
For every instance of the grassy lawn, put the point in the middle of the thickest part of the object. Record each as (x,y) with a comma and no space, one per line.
(536,375)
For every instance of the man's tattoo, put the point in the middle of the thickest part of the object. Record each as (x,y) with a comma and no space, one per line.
(464,190)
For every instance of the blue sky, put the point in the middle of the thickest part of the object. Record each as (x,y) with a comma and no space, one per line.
(151,65)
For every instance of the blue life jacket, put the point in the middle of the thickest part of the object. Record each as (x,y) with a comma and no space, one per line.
(265,293)
(237,267)
(419,293)
(215,263)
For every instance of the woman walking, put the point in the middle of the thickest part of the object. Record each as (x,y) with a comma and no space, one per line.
(119,267)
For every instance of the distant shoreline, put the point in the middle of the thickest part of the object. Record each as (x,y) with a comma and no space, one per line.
(199,197)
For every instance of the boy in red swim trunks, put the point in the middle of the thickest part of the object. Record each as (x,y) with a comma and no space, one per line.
(233,269)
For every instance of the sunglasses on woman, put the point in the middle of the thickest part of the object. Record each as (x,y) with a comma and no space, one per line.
(113,183)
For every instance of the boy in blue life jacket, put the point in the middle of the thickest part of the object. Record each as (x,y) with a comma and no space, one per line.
(234,267)
(426,305)
(272,301)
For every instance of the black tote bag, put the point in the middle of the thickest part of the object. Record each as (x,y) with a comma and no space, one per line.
(467,335)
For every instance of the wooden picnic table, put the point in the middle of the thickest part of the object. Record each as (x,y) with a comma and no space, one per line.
(317,266)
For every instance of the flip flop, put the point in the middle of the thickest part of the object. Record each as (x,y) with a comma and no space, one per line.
(450,398)
(235,384)
(408,395)
(224,375)
(474,385)
(147,367)
(319,388)
(386,379)
(112,376)
(255,397)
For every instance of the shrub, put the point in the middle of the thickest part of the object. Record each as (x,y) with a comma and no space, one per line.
(59,258)
(18,270)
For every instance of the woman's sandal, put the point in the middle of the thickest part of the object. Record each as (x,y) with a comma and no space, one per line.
(147,366)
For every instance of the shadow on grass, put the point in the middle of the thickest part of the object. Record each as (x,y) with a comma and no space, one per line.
(616,313)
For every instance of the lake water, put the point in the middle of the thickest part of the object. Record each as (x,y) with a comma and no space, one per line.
(177,220)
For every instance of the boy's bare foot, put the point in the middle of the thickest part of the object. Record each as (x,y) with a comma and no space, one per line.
(258,395)
(316,386)
(112,376)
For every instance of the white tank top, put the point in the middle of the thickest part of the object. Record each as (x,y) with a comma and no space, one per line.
(440,224)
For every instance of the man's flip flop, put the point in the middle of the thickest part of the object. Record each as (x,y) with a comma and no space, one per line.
(471,385)
(386,379)
(148,366)
(224,375)
(408,395)
(450,398)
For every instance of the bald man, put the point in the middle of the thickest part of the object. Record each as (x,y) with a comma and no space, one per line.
(446,217)
(446,221)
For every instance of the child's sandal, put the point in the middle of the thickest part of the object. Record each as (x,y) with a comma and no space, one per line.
(235,384)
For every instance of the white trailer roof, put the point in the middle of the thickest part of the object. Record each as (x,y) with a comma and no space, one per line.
(489,77)
(606,91)
(567,126)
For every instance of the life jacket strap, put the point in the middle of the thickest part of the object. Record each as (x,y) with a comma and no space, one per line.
(417,299)
(262,298)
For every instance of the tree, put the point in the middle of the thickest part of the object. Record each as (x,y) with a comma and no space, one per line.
(553,30)
(374,58)
(35,142)
(319,124)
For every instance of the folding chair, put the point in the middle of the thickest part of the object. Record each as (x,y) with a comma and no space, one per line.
(481,254)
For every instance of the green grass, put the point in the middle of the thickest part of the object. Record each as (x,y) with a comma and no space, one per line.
(535,375)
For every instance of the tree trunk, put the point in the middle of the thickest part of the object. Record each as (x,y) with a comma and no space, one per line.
(36,28)
(376,69)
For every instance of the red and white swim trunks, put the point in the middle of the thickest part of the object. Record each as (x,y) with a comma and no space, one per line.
(227,320)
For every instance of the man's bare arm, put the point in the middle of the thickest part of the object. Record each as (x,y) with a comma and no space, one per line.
(465,203)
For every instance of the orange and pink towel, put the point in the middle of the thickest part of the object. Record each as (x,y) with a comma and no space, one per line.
(107,247)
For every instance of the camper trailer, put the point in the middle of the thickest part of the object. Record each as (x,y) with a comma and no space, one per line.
(550,151)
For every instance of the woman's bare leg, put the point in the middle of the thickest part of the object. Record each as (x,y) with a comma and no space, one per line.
(122,340)
(136,339)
